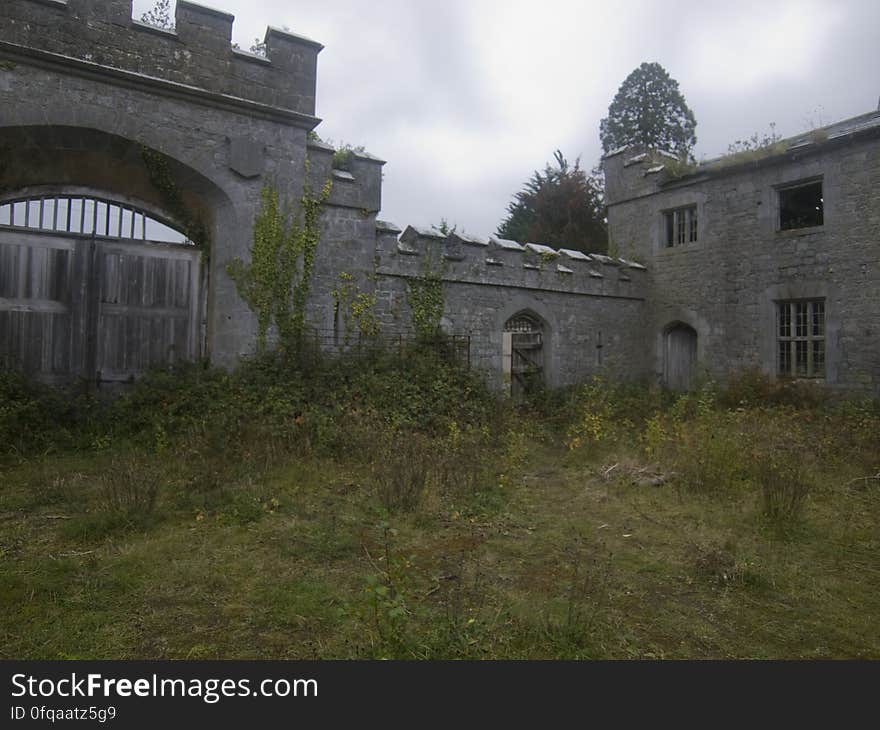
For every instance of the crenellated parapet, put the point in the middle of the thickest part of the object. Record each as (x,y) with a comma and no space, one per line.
(633,172)
(100,37)
(358,186)
(492,261)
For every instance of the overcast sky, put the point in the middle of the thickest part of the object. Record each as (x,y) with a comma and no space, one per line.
(466,98)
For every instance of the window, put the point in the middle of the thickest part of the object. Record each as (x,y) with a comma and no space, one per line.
(681,226)
(801,206)
(801,337)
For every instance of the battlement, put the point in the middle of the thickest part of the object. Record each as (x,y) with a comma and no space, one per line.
(498,262)
(633,171)
(197,53)
(359,186)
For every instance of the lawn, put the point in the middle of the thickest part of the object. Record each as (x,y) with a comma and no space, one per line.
(376,513)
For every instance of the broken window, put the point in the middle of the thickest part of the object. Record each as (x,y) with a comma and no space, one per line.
(801,339)
(801,206)
(681,226)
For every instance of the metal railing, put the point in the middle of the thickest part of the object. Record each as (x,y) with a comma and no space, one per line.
(86,215)
(453,348)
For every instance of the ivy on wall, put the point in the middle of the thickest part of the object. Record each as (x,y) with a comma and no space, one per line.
(356,306)
(162,179)
(275,283)
(425,298)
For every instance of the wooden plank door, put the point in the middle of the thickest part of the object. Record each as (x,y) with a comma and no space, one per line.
(148,311)
(680,358)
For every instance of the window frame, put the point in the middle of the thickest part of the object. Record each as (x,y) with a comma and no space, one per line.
(801,336)
(680,226)
(781,190)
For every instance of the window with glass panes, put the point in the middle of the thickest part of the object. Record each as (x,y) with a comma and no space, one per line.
(801,338)
(681,226)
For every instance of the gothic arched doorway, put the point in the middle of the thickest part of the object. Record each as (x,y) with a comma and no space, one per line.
(524,353)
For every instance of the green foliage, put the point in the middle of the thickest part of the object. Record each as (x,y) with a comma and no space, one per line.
(275,283)
(37,418)
(255,492)
(162,179)
(754,143)
(650,111)
(343,157)
(130,486)
(426,299)
(401,471)
(443,227)
(560,207)
(159,15)
(356,306)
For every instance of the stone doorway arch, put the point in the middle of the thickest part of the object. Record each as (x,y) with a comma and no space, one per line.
(524,354)
(101,277)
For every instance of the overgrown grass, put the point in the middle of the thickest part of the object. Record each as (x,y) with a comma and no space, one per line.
(377,508)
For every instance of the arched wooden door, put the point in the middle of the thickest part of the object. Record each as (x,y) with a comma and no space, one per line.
(680,357)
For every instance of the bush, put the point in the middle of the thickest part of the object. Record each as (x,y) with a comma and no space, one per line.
(785,486)
(36,418)
(604,413)
(401,470)
(130,486)
(754,388)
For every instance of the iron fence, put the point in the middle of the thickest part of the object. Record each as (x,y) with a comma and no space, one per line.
(452,348)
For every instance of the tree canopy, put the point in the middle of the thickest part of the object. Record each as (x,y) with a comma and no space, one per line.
(649,110)
(561,207)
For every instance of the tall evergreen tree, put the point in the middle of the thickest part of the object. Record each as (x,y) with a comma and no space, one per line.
(560,207)
(649,110)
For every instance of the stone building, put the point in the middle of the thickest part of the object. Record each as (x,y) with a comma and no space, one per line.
(767,259)
(132,161)
(111,129)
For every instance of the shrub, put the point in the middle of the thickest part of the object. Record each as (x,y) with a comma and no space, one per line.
(785,486)
(130,486)
(752,387)
(401,469)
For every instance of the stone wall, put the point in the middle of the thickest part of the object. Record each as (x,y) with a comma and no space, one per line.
(726,284)
(591,307)
(198,53)
(85,90)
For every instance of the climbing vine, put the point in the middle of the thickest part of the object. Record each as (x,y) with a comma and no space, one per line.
(355,306)
(162,179)
(425,299)
(275,283)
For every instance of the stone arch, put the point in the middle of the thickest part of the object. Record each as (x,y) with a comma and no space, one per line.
(42,159)
(138,308)
(523,352)
(680,342)
(107,160)
(522,304)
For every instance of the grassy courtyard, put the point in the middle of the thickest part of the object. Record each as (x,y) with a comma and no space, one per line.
(386,508)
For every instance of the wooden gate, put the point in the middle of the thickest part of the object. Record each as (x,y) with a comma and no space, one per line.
(680,357)
(524,345)
(96,308)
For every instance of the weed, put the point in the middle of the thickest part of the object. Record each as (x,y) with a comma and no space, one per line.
(401,470)
(130,486)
